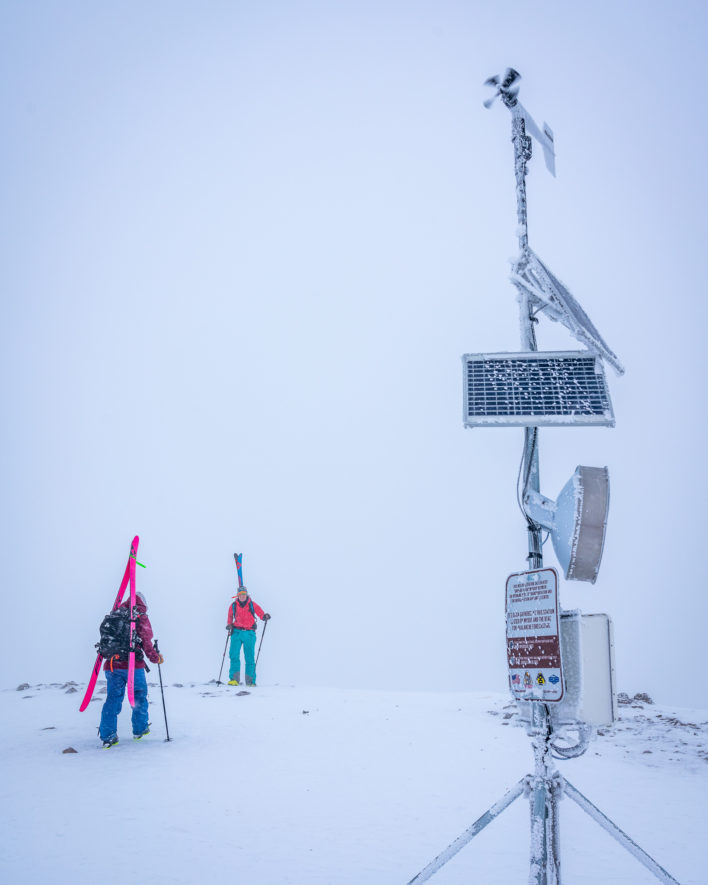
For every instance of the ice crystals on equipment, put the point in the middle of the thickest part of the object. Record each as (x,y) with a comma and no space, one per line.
(533,389)
(561,665)
(576,521)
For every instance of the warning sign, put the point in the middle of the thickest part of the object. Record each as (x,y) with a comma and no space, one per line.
(532,636)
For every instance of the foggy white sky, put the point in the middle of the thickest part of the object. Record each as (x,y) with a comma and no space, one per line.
(243,248)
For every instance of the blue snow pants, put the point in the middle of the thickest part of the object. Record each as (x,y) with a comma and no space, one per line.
(247,639)
(117,681)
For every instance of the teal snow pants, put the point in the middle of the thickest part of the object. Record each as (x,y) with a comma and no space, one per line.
(247,639)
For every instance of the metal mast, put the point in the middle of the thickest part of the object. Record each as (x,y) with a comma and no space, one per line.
(545,853)
(530,467)
(522,398)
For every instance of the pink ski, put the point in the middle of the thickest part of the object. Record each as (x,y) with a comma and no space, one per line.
(119,598)
(133,635)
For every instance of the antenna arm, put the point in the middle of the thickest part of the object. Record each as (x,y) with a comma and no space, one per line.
(541,509)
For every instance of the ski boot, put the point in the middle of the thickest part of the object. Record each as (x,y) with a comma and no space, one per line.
(137,737)
(110,741)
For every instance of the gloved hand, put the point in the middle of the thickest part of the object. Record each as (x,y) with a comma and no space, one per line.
(266,617)
(160,659)
(230,629)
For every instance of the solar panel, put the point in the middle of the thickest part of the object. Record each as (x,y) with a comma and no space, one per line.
(544,388)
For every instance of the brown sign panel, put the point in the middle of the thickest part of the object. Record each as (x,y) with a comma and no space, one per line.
(533,636)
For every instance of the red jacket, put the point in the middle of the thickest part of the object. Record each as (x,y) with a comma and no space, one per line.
(143,628)
(244,619)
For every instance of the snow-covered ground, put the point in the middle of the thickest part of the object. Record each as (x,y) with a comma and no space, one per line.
(289,784)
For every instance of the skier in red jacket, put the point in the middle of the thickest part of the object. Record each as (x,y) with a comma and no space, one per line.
(116,670)
(241,625)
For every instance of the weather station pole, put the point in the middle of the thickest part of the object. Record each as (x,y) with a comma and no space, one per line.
(522,154)
(530,389)
(545,860)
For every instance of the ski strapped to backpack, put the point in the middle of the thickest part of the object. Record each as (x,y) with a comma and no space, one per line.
(238,559)
(133,637)
(119,598)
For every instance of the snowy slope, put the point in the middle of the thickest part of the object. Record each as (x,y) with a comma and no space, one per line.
(310,785)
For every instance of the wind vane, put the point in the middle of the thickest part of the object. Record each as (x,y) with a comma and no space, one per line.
(536,284)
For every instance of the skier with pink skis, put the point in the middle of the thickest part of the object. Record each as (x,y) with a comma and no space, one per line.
(116,669)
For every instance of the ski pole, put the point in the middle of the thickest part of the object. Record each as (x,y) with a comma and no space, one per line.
(162,691)
(223,657)
(261,642)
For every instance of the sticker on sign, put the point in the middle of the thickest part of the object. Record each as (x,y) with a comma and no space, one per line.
(533,636)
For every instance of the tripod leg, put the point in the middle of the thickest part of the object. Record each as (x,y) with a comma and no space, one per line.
(469,834)
(618,834)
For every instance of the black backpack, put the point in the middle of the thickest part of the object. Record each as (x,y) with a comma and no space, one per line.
(115,635)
